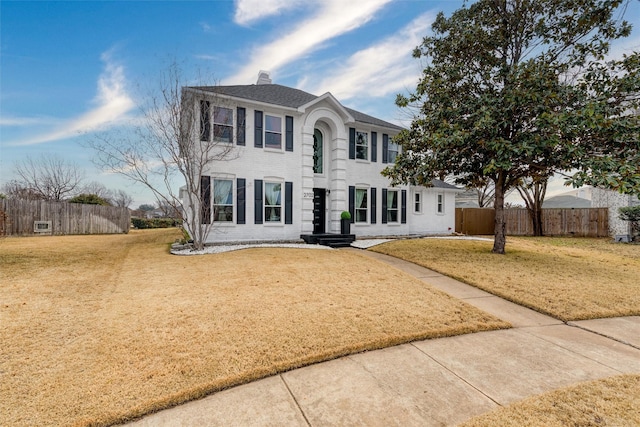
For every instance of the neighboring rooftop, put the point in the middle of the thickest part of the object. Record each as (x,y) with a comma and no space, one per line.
(566,201)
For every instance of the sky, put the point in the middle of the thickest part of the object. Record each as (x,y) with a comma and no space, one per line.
(69,69)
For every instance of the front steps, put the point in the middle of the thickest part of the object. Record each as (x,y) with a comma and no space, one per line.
(328,239)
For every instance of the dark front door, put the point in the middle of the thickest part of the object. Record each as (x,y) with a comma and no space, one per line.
(319,208)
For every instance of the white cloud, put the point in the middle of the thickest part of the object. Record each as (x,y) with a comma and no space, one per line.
(378,70)
(112,103)
(334,17)
(249,11)
(27,121)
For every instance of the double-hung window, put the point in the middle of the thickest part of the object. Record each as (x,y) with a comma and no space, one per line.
(361,205)
(417,202)
(392,152)
(273,202)
(222,124)
(272,132)
(222,200)
(362,145)
(392,206)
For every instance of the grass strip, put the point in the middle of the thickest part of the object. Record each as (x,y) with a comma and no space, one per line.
(567,278)
(609,402)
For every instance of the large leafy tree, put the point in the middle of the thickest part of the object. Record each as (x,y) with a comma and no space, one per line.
(515,90)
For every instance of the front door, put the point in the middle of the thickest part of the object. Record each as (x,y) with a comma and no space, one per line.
(319,208)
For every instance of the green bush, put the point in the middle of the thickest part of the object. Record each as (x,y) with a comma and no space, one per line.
(345,215)
(141,223)
(89,199)
(631,214)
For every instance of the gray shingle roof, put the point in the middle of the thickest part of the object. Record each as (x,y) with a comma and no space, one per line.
(441,184)
(285,97)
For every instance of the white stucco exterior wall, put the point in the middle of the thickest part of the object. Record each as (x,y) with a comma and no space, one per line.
(339,173)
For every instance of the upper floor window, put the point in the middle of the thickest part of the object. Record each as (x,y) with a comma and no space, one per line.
(273,202)
(362,145)
(222,200)
(272,131)
(392,152)
(361,205)
(222,124)
(318,151)
(392,206)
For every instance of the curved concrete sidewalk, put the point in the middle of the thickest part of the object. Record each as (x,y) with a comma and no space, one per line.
(428,383)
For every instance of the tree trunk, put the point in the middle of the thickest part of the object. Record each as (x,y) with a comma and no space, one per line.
(500,229)
(536,217)
(533,195)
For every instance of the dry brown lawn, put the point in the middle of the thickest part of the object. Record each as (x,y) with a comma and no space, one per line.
(609,402)
(101,329)
(567,278)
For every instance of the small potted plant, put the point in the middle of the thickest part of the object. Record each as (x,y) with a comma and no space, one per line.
(345,223)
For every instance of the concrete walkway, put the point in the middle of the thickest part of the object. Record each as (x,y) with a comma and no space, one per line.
(428,383)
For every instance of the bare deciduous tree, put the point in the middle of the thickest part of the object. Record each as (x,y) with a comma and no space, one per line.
(121,199)
(49,176)
(17,190)
(163,151)
(98,189)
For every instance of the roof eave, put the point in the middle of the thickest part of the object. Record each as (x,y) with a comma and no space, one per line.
(348,118)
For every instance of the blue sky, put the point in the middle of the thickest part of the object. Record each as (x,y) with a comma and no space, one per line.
(68,69)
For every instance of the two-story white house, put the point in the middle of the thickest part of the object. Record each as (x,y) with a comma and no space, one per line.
(300,160)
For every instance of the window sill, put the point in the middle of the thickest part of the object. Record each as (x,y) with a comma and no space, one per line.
(223,223)
(273,150)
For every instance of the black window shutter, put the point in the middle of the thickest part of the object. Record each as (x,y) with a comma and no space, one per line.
(403,218)
(288,202)
(205,199)
(384,205)
(385,148)
(257,139)
(373,206)
(257,199)
(352,143)
(241,204)
(241,116)
(374,146)
(289,133)
(205,120)
(352,202)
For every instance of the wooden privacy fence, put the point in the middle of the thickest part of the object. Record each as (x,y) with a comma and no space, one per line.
(583,222)
(29,217)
